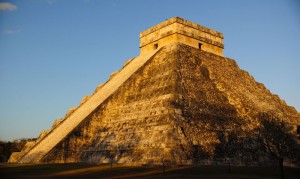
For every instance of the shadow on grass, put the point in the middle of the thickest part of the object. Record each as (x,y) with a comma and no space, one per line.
(83,170)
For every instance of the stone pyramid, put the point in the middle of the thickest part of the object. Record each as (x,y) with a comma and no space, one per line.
(171,103)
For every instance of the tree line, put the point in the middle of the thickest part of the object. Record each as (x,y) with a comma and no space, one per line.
(8,147)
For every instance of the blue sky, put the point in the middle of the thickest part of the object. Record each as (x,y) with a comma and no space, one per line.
(54,52)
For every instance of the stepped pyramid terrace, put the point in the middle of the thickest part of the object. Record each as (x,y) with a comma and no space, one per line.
(180,101)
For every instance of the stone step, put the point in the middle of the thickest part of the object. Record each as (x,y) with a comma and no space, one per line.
(60,132)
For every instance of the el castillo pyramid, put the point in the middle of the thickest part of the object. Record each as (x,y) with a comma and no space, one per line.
(174,102)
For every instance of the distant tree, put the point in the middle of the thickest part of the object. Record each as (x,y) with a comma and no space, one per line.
(229,146)
(6,149)
(2,152)
(18,144)
(278,139)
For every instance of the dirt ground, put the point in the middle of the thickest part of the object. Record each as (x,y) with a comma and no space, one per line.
(89,171)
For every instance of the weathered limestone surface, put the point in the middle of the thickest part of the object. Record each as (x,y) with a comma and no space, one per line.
(174,109)
(174,103)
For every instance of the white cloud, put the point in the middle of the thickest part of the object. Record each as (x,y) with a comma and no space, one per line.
(51,1)
(11,31)
(5,6)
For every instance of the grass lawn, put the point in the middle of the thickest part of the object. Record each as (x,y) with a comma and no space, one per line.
(82,170)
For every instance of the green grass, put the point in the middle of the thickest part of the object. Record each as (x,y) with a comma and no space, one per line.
(82,170)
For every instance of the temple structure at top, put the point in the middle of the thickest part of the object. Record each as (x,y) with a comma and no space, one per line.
(177,29)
